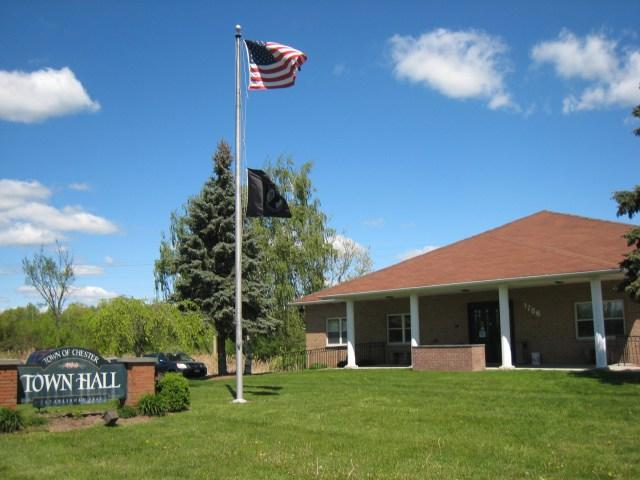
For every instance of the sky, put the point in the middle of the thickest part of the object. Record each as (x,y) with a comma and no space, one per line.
(426,121)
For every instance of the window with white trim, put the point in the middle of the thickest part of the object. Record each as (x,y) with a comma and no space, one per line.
(399,328)
(613,319)
(336,331)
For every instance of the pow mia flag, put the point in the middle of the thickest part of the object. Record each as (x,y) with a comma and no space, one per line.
(264,198)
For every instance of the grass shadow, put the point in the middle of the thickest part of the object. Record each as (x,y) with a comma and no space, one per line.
(610,377)
(257,390)
(231,390)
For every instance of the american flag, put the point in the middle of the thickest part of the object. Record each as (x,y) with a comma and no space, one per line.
(272,65)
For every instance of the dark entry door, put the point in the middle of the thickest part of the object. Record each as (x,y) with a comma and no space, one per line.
(484,327)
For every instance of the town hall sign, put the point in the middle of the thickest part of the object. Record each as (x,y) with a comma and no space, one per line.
(71,375)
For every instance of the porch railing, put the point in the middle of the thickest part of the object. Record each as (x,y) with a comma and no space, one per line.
(625,350)
(373,353)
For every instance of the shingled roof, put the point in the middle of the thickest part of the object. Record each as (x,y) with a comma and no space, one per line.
(541,245)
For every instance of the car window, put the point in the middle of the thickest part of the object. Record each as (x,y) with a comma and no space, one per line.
(180,357)
(37,356)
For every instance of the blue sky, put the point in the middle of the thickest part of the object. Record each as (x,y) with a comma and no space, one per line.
(427,122)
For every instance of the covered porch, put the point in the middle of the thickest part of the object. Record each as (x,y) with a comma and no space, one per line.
(558,320)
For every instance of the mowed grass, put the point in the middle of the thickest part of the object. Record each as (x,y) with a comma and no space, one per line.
(363,424)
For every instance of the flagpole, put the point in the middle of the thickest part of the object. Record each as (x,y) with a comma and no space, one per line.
(239,360)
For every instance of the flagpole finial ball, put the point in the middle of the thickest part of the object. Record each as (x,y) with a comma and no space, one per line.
(238,29)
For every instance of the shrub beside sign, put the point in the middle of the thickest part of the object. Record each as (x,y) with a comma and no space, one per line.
(71,375)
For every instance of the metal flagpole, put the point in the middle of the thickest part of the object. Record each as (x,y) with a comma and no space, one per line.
(239,359)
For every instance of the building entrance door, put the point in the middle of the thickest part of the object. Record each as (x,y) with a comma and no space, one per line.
(484,327)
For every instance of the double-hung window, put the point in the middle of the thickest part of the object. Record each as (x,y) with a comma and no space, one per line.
(336,331)
(613,319)
(399,328)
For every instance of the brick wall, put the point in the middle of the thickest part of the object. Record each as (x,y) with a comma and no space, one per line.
(315,317)
(448,358)
(8,384)
(140,379)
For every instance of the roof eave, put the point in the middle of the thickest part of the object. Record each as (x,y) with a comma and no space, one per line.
(516,282)
(312,302)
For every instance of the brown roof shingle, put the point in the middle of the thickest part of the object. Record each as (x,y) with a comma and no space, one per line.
(545,243)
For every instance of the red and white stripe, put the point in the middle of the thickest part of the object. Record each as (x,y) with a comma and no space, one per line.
(281,74)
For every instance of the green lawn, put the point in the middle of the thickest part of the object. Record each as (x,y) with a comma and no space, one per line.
(363,424)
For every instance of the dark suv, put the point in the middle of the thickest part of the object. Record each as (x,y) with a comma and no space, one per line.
(178,362)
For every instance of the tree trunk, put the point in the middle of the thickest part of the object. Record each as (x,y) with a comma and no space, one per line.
(222,355)
(57,339)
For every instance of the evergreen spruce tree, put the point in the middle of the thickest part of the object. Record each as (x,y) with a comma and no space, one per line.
(629,204)
(204,260)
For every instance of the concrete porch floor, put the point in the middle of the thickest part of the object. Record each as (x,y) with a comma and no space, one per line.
(618,367)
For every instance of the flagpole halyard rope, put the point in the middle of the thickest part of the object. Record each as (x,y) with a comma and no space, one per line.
(244,123)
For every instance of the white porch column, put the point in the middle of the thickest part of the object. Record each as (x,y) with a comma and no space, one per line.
(598,323)
(351,336)
(505,327)
(414,310)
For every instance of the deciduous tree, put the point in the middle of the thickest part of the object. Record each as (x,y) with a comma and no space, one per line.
(128,325)
(52,277)
(348,260)
(298,250)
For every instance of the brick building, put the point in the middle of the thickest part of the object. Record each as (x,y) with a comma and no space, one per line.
(540,290)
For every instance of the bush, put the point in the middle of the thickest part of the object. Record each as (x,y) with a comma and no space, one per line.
(152,406)
(10,420)
(173,388)
(317,366)
(127,411)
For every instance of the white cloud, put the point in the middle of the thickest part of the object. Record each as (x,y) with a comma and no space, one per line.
(80,186)
(87,270)
(15,192)
(459,64)
(26,218)
(5,271)
(70,218)
(27,290)
(89,295)
(417,251)
(338,69)
(374,222)
(109,260)
(612,74)
(27,234)
(342,244)
(36,96)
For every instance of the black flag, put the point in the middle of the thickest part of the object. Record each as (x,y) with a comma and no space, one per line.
(264,198)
